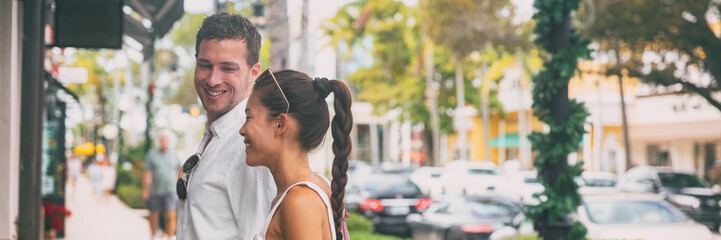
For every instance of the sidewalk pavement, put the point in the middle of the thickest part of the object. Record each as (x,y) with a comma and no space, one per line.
(92,218)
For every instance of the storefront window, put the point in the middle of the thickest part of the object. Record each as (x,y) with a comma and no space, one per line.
(709,154)
(658,155)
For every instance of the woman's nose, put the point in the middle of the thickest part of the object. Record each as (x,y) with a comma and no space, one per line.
(242,131)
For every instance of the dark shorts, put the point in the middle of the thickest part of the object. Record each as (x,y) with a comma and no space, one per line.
(165,202)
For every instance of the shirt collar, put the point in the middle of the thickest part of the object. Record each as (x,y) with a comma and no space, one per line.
(230,121)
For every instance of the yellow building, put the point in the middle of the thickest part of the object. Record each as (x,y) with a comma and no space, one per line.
(665,128)
(602,152)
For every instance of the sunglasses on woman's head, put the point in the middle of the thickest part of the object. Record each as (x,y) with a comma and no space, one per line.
(269,72)
(181,188)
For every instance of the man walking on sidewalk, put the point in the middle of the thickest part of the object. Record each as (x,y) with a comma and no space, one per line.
(160,169)
(221,197)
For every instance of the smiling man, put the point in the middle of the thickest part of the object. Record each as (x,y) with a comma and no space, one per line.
(220,196)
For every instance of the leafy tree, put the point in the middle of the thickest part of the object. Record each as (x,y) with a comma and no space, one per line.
(466,26)
(393,80)
(682,34)
(346,29)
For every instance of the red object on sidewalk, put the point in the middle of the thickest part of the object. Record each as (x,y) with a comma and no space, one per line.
(54,216)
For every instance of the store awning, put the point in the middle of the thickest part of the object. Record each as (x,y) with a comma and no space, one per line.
(161,14)
(510,140)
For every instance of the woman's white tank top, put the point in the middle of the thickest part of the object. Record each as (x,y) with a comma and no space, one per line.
(261,235)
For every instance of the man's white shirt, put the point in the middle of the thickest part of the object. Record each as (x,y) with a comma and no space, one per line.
(227,199)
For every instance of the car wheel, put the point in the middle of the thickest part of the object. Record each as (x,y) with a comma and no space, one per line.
(449,235)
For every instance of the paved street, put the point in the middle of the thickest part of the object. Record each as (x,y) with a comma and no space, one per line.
(94,219)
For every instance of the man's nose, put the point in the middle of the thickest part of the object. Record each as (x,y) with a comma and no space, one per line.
(214,78)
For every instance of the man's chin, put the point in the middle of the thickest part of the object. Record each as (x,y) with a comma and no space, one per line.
(218,108)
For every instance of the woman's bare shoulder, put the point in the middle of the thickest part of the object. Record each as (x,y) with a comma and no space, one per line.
(302,214)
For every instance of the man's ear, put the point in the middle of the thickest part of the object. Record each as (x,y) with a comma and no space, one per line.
(254,71)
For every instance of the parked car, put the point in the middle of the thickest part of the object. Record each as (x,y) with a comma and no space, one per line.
(427,179)
(622,216)
(599,179)
(520,186)
(456,218)
(469,178)
(637,216)
(359,168)
(386,199)
(682,189)
(597,183)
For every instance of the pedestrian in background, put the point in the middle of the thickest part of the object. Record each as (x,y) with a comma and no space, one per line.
(109,176)
(74,169)
(95,172)
(160,169)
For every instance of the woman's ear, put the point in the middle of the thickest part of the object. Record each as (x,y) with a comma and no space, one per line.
(281,125)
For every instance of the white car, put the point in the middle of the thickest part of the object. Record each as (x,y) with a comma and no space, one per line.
(520,187)
(427,179)
(597,183)
(637,216)
(359,168)
(623,216)
(470,178)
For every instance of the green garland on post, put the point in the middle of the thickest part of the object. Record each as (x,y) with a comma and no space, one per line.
(560,199)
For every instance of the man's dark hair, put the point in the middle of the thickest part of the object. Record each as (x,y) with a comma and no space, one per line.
(225,25)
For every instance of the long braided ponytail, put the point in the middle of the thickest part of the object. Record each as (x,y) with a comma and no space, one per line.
(306,98)
(340,128)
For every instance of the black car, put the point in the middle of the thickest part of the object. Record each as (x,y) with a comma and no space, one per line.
(386,199)
(471,217)
(682,189)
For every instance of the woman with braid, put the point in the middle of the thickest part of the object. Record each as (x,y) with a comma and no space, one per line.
(287,117)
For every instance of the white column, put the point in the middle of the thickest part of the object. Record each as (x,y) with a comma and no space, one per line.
(10,59)
(406,142)
(587,148)
(444,150)
(524,151)
(598,131)
(638,153)
(681,153)
(373,128)
(461,142)
(386,143)
(501,142)
(394,141)
(597,143)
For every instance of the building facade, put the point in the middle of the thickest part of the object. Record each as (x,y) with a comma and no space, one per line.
(10,80)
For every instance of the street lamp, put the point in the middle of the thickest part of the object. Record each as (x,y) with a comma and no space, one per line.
(258,14)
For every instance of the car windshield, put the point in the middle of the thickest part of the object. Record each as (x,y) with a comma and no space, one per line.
(477,171)
(530,180)
(681,180)
(599,182)
(383,185)
(632,212)
(483,209)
